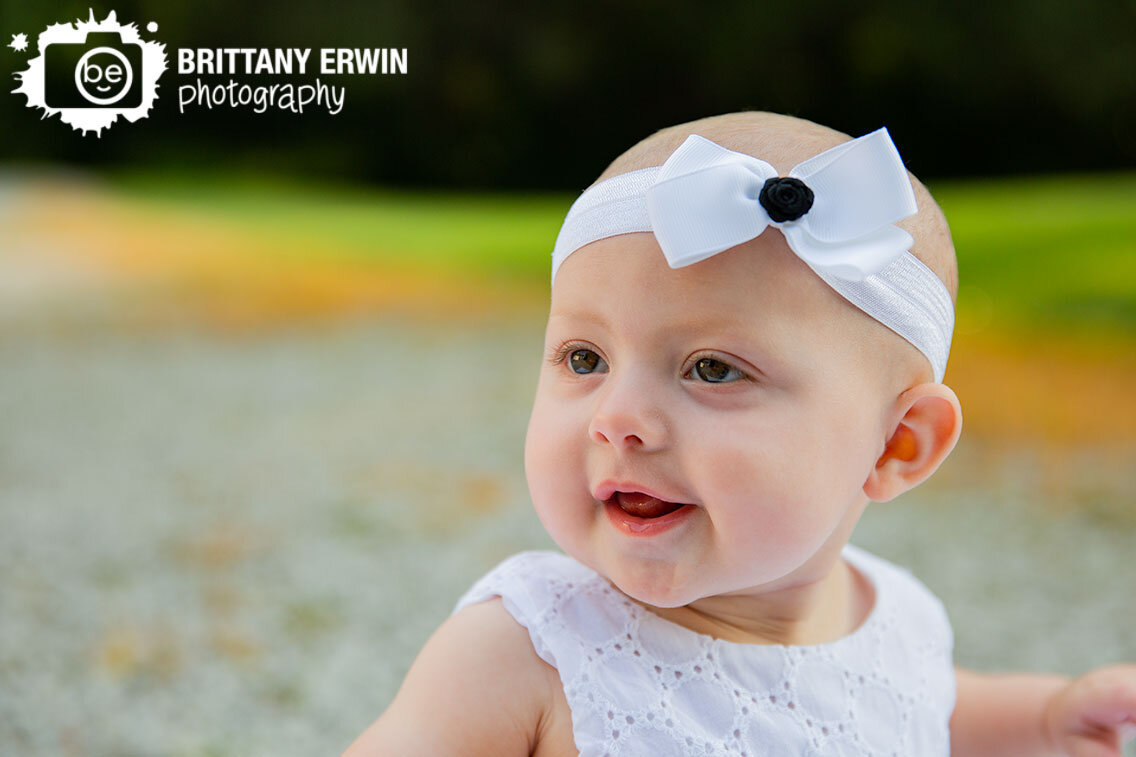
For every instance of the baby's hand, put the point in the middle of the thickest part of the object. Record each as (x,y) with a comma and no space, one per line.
(1094,715)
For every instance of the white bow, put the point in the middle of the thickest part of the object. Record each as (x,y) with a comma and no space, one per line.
(705,199)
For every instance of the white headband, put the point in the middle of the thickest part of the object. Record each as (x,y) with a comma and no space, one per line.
(835,209)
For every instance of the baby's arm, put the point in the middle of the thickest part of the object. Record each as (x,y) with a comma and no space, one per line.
(476,688)
(1001,714)
(1037,715)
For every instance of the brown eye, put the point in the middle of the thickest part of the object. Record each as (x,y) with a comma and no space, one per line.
(583,361)
(715,371)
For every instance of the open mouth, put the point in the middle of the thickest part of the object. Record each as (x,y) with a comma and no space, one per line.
(643,505)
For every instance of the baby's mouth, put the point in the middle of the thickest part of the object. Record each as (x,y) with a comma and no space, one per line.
(643,505)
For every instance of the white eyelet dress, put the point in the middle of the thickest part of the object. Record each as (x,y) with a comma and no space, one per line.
(642,686)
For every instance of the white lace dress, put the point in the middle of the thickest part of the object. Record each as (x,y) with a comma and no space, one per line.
(639,685)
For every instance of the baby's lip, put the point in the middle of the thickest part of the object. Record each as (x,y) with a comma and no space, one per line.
(608,487)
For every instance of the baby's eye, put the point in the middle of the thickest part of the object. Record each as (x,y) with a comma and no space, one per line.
(584,361)
(580,359)
(715,371)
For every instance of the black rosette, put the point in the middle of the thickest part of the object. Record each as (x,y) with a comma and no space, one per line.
(785,198)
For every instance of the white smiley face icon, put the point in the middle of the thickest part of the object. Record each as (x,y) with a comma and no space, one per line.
(104,79)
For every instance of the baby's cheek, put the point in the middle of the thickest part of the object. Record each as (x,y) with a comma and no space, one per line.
(554,470)
(848,428)
(541,467)
(750,485)
(774,495)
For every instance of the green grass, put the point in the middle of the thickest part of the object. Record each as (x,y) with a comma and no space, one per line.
(1049,251)
(1052,251)
(497,233)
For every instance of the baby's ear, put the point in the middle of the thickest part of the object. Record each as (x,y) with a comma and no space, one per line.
(930,421)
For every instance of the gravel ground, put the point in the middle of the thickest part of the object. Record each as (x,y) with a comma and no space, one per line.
(236,544)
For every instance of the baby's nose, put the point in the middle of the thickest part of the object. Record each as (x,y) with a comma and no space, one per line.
(626,417)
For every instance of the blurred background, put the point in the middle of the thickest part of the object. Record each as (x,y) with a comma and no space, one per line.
(264,379)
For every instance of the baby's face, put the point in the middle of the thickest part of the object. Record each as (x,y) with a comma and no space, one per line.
(741,385)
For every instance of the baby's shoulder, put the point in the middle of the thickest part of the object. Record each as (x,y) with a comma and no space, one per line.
(497,655)
(533,685)
(476,687)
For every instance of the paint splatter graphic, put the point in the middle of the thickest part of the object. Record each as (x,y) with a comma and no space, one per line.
(19,42)
(98,113)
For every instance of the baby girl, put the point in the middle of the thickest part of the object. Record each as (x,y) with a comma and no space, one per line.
(749,327)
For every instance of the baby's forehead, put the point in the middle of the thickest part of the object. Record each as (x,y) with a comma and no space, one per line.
(763,270)
(759,285)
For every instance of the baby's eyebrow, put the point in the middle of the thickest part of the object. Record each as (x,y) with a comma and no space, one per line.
(581,315)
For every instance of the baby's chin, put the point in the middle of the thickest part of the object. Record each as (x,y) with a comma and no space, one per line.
(656,583)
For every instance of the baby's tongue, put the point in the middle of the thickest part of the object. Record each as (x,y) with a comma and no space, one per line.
(644,506)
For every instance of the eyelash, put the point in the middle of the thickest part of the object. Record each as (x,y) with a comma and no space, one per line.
(557,356)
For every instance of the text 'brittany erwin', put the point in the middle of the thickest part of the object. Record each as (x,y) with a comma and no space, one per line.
(290,60)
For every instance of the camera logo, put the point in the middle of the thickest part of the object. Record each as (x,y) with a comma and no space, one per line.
(91,72)
(102,72)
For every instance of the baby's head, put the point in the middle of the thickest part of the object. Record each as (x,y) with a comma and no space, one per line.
(743,386)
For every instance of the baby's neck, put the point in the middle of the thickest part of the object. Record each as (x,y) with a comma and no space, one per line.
(817,613)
